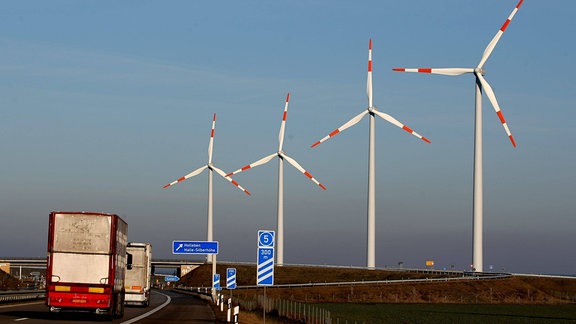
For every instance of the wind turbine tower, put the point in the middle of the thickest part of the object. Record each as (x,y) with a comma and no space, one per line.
(211,168)
(281,157)
(480,85)
(372,112)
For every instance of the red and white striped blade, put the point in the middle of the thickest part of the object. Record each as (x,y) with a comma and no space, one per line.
(283,125)
(349,123)
(301,169)
(394,121)
(490,94)
(263,160)
(232,181)
(211,143)
(189,175)
(369,79)
(443,71)
(496,38)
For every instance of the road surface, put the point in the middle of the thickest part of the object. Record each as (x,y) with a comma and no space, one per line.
(165,307)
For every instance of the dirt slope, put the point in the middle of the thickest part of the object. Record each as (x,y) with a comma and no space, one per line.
(513,290)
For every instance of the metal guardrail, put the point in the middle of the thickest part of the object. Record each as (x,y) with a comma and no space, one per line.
(544,276)
(21,295)
(15,262)
(348,283)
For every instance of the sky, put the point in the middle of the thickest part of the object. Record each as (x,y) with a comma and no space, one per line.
(105,102)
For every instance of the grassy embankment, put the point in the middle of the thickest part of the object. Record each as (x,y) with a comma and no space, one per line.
(517,299)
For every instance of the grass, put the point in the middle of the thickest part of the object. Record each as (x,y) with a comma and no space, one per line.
(514,290)
(450,313)
(518,299)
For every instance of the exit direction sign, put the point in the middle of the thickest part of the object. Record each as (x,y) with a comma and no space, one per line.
(171,278)
(231,278)
(194,247)
(265,268)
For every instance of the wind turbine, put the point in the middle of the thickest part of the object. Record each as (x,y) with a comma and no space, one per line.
(211,167)
(281,157)
(372,112)
(481,84)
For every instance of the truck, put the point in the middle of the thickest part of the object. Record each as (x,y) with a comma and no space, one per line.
(138,274)
(86,262)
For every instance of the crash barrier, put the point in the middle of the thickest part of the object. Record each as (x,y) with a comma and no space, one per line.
(13,296)
(309,313)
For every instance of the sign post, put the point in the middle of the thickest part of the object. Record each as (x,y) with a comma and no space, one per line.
(199,247)
(265,269)
(230,284)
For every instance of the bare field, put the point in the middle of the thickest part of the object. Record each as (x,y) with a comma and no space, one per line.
(513,290)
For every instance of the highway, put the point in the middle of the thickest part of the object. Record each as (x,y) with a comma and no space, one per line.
(165,307)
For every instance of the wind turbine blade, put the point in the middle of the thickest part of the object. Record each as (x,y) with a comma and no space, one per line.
(369,79)
(301,169)
(283,125)
(394,121)
(211,143)
(263,160)
(490,94)
(232,181)
(191,174)
(350,123)
(496,38)
(443,71)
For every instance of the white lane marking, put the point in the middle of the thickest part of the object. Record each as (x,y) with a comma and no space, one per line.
(20,319)
(136,319)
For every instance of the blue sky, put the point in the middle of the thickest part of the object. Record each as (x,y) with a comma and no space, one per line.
(104,102)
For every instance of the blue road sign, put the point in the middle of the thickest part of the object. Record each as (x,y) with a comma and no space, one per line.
(231,278)
(194,247)
(216,283)
(171,278)
(265,238)
(265,275)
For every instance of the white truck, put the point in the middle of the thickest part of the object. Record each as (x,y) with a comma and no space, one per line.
(138,274)
(86,262)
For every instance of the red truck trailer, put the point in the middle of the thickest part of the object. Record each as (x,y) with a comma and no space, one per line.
(86,262)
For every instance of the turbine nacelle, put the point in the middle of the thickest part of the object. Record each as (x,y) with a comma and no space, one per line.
(210,165)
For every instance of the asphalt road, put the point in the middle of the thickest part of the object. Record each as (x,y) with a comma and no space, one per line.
(165,307)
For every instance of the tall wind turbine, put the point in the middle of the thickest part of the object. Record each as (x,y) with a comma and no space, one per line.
(481,84)
(281,157)
(211,167)
(372,112)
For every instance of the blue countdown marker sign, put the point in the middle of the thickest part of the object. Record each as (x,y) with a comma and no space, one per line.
(231,278)
(265,268)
